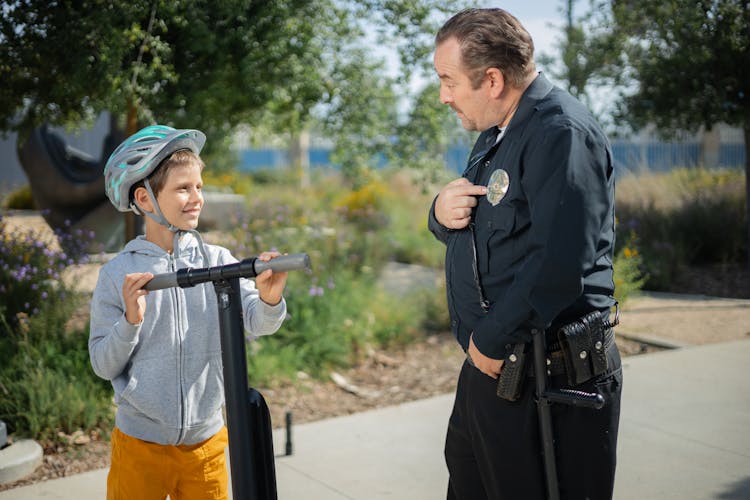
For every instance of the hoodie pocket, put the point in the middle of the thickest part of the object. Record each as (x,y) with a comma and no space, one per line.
(153,391)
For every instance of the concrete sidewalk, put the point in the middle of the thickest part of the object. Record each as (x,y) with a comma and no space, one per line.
(684,434)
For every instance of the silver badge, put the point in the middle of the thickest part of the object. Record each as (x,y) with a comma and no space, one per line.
(498,186)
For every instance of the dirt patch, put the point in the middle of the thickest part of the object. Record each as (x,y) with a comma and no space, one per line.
(683,320)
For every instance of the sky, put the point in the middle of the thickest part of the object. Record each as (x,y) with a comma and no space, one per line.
(536,16)
(541,18)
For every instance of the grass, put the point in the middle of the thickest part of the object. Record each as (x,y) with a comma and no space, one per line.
(684,218)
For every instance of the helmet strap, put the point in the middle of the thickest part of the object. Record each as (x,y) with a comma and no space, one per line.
(159,218)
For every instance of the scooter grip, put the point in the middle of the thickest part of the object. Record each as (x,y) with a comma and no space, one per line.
(161,281)
(283,263)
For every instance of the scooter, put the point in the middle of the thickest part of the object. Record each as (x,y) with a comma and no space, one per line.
(248,419)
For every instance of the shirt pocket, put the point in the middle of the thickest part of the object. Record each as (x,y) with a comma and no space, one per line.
(495,245)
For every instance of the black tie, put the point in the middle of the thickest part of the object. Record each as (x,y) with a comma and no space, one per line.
(489,144)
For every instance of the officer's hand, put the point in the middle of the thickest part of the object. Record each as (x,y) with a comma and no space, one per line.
(455,201)
(488,366)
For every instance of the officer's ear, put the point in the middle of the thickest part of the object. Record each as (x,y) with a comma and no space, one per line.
(495,80)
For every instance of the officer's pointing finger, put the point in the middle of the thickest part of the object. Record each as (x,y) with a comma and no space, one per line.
(470,190)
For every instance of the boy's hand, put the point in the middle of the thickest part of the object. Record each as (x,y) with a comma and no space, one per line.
(270,284)
(135,296)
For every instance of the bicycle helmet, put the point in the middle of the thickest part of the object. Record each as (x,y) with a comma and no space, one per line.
(139,155)
(135,159)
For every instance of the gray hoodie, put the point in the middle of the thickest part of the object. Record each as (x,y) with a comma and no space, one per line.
(167,372)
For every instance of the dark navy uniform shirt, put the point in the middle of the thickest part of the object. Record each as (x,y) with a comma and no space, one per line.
(544,251)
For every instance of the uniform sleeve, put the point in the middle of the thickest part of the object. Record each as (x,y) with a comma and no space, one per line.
(440,231)
(566,185)
(112,338)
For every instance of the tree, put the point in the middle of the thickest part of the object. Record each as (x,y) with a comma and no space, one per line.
(589,54)
(429,130)
(192,63)
(691,62)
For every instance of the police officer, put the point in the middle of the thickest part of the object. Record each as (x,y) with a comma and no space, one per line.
(529,235)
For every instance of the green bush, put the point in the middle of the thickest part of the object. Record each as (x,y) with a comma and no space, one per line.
(46,382)
(30,270)
(687,217)
(337,310)
(628,269)
(20,199)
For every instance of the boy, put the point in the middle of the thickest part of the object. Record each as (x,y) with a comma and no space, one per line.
(161,350)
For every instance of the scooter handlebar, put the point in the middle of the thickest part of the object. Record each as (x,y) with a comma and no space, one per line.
(247,268)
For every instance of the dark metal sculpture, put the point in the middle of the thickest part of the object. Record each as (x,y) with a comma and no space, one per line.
(68,185)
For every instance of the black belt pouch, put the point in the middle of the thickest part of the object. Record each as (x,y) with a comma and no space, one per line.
(584,349)
(513,373)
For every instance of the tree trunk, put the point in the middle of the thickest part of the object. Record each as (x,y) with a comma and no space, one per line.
(300,156)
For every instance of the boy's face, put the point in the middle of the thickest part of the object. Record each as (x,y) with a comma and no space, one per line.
(181,198)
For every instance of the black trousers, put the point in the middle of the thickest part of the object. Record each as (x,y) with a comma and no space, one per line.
(493,449)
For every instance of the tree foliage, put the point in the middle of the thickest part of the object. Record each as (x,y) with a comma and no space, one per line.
(211,64)
(691,61)
(589,56)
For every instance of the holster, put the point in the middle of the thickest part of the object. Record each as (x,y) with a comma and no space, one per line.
(584,343)
(513,373)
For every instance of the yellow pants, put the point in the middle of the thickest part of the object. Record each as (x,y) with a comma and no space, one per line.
(149,471)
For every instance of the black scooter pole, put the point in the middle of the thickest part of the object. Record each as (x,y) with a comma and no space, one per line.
(544,398)
(248,420)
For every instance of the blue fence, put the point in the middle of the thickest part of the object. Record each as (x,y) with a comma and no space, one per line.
(256,159)
(628,156)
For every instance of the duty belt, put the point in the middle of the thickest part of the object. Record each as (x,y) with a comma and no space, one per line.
(579,352)
(556,363)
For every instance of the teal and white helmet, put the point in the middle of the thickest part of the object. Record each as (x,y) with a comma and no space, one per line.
(139,155)
(135,159)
